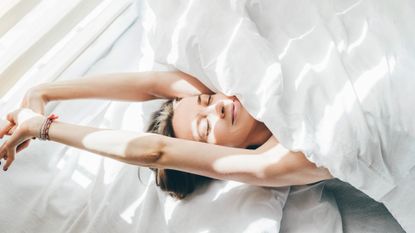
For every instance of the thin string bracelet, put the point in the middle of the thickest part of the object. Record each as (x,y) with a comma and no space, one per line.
(44,130)
(40,130)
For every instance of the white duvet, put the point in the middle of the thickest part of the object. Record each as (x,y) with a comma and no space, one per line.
(333,79)
(53,188)
(59,189)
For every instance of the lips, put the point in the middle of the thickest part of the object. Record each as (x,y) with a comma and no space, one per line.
(235,108)
(233,111)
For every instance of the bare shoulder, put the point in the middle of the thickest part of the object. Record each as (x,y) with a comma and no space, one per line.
(173,84)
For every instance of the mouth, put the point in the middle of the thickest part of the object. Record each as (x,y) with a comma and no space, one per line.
(234,110)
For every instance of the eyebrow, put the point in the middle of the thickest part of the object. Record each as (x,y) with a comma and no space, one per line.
(199,119)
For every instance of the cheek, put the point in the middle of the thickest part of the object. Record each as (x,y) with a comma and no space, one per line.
(248,122)
(222,135)
(228,137)
(219,133)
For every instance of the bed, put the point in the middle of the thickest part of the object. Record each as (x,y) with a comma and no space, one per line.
(54,188)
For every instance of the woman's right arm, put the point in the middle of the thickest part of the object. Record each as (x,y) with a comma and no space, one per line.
(139,86)
(117,86)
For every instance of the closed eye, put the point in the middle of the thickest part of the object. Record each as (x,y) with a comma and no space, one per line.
(207,128)
(208,100)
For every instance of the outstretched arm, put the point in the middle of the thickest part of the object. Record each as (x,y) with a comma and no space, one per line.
(270,165)
(122,86)
(118,86)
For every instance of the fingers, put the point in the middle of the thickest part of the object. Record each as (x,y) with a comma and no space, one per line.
(6,129)
(22,146)
(3,124)
(8,149)
(11,131)
(6,155)
(18,139)
(10,158)
(3,151)
(10,117)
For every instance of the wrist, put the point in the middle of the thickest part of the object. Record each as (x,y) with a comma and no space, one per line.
(40,92)
(44,130)
(35,125)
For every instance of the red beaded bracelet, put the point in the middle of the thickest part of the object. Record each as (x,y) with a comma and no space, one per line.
(44,130)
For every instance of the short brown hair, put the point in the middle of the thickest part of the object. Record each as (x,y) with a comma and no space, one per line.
(177,183)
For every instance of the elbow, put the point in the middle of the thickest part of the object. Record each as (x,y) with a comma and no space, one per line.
(289,176)
(158,151)
(146,151)
(324,173)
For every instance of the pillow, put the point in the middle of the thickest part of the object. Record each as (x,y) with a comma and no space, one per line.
(216,42)
(225,206)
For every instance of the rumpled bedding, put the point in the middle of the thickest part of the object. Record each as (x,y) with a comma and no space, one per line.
(330,78)
(51,187)
(55,188)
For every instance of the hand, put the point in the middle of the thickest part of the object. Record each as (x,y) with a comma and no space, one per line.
(23,125)
(35,100)
(6,128)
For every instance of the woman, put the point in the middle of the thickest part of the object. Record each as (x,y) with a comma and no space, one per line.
(213,132)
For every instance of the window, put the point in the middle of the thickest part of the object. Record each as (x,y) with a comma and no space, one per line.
(39,39)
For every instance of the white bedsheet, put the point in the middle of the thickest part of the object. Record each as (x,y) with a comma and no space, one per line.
(54,188)
(331,78)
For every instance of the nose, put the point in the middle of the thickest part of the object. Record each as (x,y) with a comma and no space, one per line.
(217,109)
(220,109)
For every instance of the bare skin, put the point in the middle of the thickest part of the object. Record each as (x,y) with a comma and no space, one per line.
(217,119)
(269,165)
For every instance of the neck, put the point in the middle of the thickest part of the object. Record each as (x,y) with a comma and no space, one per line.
(259,135)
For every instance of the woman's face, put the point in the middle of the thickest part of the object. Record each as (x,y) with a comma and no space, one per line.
(216,119)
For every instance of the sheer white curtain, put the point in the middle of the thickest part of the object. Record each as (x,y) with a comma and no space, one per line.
(39,39)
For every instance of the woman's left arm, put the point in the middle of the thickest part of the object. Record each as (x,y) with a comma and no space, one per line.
(125,146)
(270,165)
